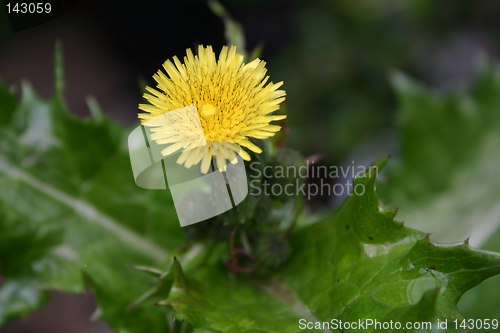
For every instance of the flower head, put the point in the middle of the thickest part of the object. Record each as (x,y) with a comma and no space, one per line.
(233,100)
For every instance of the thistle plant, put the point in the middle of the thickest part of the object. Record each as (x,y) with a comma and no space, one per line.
(72,219)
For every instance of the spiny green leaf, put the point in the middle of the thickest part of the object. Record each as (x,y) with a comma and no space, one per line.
(447,170)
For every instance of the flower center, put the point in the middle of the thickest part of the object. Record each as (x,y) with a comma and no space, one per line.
(207,110)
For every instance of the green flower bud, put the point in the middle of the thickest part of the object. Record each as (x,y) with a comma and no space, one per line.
(271,250)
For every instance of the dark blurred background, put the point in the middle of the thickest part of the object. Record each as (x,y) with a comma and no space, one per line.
(334,57)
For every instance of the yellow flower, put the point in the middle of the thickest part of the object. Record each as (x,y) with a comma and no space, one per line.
(233,100)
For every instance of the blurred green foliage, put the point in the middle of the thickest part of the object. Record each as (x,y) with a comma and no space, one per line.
(339,54)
